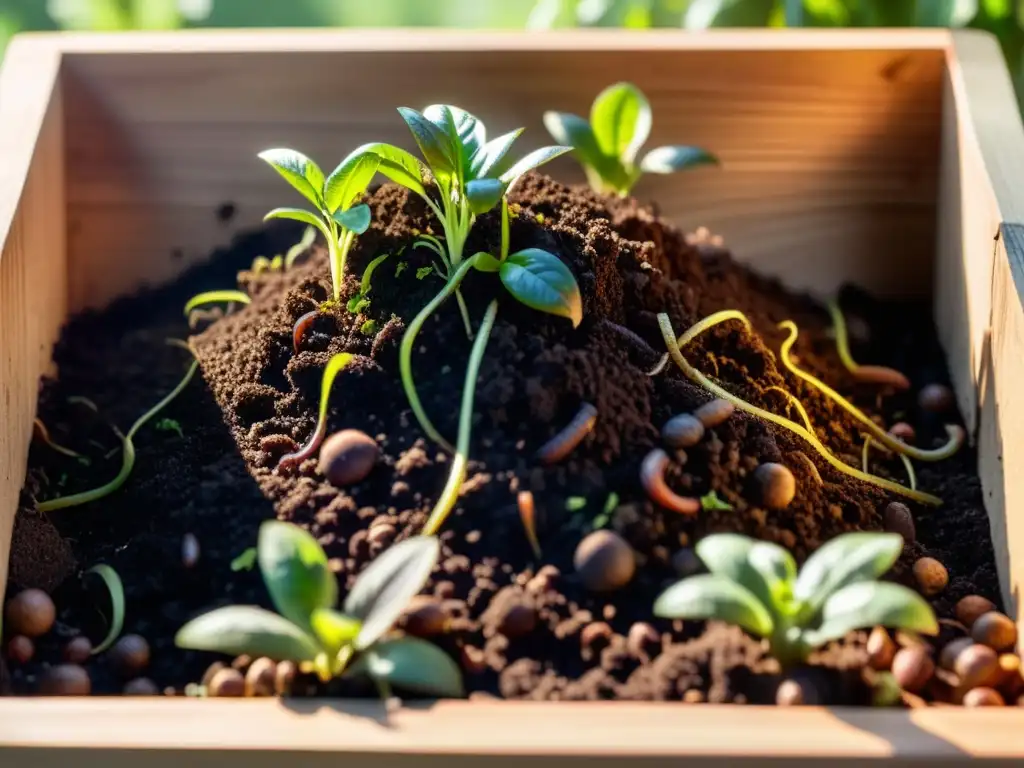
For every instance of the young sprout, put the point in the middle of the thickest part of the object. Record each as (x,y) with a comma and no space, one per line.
(607,145)
(285,262)
(245,561)
(360,301)
(334,367)
(336,216)
(710,501)
(115,587)
(307,628)
(755,585)
(870,441)
(169,425)
(873,374)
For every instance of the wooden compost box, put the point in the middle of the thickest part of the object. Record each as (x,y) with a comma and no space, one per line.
(884,158)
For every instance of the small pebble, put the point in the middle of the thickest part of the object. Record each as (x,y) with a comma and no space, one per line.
(544,580)
(898,519)
(996,630)
(31,613)
(285,677)
(796,693)
(595,632)
(693,696)
(683,431)
(347,457)
(518,621)
(65,680)
(381,534)
(141,686)
(976,666)
(1011,674)
(686,563)
(969,608)
(881,649)
(474,661)
(78,650)
(130,655)
(936,398)
(20,649)
(931,576)
(261,677)
(189,550)
(713,413)
(642,637)
(903,431)
(983,697)
(776,485)
(227,682)
(952,650)
(211,670)
(425,617)
(913,668)
(604,561)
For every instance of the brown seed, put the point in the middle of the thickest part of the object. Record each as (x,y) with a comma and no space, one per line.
(425,616)
(642,637)
(381,534)
(604,561)
(141,686)
(261,677)
(881,649)
(189,550)
(30,613)
(78,650)
(227,682)
(65,680)
(796,693)
(903,431)
(976,666)
(913,668)
(713,413)
(969,608)
(686,563)
(931,576)
(347,457)
(20,649)
(898,519)
(211,670)
(285,677)
(130,655)
(936,398)
(776,485)
(952,650)
(1011,674)
(995,630)
(683,431)
(983,697)
(693,696)
(518,621)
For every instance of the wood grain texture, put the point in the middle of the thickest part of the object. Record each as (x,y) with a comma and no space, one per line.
(33,275)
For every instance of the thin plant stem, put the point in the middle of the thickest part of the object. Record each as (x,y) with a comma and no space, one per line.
(692,373)
(877,374)
(458,472)
(870,441)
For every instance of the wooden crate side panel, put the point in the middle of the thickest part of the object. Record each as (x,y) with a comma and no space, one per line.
(830,156)
(33,284)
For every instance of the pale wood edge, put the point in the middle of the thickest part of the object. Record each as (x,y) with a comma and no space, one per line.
(648,734)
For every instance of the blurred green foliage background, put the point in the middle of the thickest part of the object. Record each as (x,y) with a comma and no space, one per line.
(1005,18)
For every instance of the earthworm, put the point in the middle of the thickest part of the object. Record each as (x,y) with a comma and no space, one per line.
(562,444)
(302,325)
(879,374)
(306,451)
(526,514)
(652,477)
(631,337)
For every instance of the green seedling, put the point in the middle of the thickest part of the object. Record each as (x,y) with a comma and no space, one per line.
(337,217)
(284,262)
(169,425)
(361,300)
(331,371)
(216,297)
(115,587)
(755,585)
(607,145)
(245,561)
(369,328)
(710,501)
(400,268)
(575,503)
(307,628)
(423,273)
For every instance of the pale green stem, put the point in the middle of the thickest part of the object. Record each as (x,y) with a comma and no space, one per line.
(458,472)
(335,256)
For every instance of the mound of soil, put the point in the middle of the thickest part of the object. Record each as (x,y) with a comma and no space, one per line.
(521,627)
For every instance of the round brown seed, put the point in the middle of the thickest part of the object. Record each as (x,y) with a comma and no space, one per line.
(604,561)
(141,686)
(20,649)
(78,650)
(130,655)
(65,680)
(713,413)
(977,665)
(425,616)
(969,608)
(31,613)
(683,431)
(913,668)
(285,677)
(952,650)
(931,575)
(347,457)
(903,431)
(776,485)
(520,620)
(1011,674)
(898,519)
(260,677)
(936,398)
(796,692)
(983,697)
(881,649)
(995,630)
(227,682)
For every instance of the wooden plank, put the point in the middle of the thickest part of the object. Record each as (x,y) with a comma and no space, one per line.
(33,275)
(831,153)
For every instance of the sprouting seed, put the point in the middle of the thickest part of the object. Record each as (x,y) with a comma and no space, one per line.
(116,589)
(334,367)
(562,444)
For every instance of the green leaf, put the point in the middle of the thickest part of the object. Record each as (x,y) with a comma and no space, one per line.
(574,131)
(299,171)
(364,286)
(485,262)
(383,590)
(466,133)
(239,629)
(333,629)
(298,214)
(621,121)
(295,570)
(423,272)
(484,194)
(765,569)
(542,282)
(871,604)
(846,559)
(675,158)
(945,13)
(710,501)
(354,219)
(333,368)
(710,596)
(116,589)
(212,297)
(398,165)
(487,162)
(435,145)
(413,665)
(357,304)
(533,160)
(704,14)
(245,561)
(350,179)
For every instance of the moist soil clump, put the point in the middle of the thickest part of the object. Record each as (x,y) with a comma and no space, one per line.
(519,626)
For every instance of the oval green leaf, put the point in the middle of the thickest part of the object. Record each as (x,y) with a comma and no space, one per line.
(364,285)
(383,590)
(621,120)
(573,131)
(355,219)
(488,160)
(334,629)
(533,160)
(299,171)
(413,665)
(398,165)
(484,194)
(350,179)
(298,214)
(873,604)
(239,629)
(541,281)
(763,568)
(434,144)
(212,297)
(295,570)
(467,134)
(675,158)
(846,559)
(485,262)
(709,596)
(333,368)
(116,589)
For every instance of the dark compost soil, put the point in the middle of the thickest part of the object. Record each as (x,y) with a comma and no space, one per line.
(517,634)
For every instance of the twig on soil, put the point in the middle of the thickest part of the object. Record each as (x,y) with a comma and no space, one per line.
(631,337)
